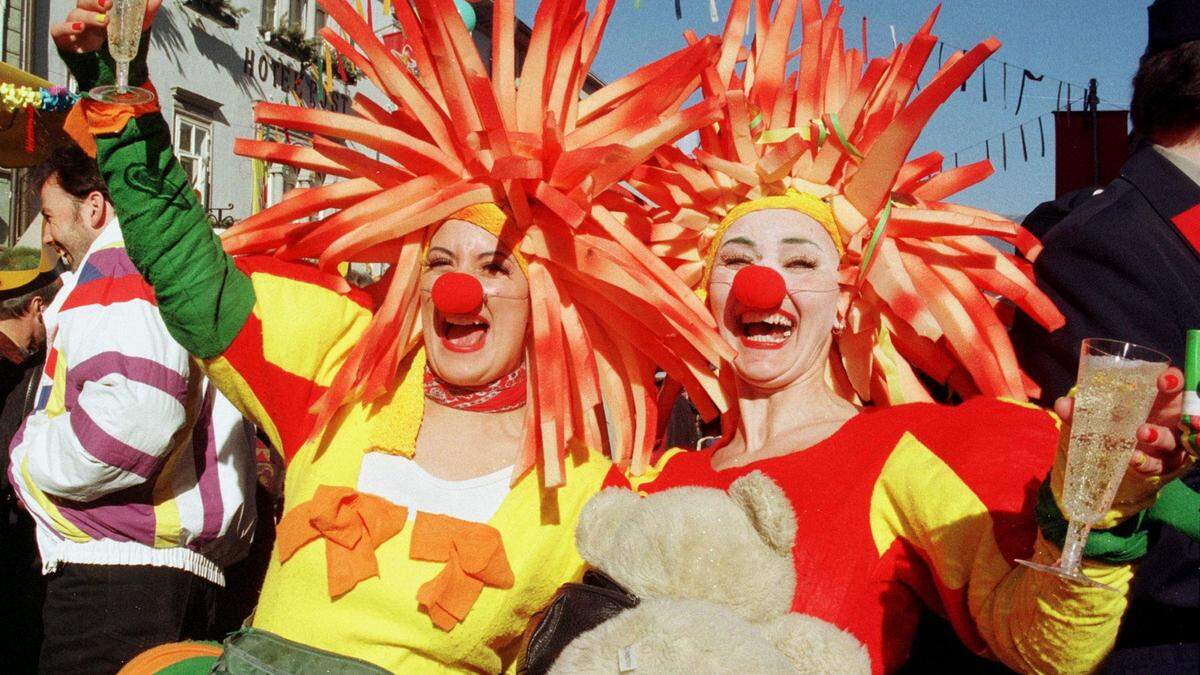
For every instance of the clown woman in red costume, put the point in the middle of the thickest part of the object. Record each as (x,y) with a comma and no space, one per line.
(837,269)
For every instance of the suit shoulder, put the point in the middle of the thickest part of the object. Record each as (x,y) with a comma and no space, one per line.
(1100,218)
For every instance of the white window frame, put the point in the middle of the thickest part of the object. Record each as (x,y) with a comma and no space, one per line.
(203,158)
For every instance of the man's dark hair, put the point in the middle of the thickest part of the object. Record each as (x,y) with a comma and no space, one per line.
(15,307)
(76,173)
(1166,92)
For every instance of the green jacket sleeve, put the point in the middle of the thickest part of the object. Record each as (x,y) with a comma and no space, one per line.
(202,296)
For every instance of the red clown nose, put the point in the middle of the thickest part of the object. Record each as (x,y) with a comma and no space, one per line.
(759,287)
(457,293)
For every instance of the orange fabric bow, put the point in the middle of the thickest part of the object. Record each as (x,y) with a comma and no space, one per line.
(89,118)
(474,557)
(353,524)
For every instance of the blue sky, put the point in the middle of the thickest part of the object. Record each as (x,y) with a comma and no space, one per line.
(1071,40)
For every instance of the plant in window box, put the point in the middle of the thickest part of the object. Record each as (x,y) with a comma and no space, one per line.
(223,12)
(288,37)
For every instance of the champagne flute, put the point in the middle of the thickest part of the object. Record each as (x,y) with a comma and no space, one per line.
(125,19)
(1116,387)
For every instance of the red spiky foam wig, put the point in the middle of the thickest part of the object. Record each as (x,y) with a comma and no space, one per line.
(920,287)
(605,310)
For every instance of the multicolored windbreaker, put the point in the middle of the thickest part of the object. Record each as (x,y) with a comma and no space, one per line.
(131,456)
(351,575)
(922,505)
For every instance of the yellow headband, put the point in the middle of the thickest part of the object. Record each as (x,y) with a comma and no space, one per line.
(490,217)
(803,202)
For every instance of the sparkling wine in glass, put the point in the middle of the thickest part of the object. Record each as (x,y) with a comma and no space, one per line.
(124,36)
(1116,388)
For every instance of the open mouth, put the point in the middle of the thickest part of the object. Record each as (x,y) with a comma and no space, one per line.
(766,330)
(463,334)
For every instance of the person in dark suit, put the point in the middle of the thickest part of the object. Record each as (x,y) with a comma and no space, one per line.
(1125,264)
(24,294)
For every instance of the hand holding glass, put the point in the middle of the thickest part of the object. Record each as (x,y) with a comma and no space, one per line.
(1116,388)
(125,19)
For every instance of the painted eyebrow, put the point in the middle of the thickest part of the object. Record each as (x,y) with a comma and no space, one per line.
(441,249)
(798,240)
(497,255)
(740,240)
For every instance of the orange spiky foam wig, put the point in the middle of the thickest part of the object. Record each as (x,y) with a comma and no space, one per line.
(920,287)
(605,310)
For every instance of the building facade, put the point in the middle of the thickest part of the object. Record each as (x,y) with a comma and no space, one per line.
(17,21)
(212,60)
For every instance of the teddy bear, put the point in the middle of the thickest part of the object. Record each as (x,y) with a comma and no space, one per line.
(713,574)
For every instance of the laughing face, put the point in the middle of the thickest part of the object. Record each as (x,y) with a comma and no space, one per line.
(482,345)
(780,345)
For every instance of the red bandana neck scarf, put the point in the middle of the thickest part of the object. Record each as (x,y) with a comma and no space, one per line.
(503,395)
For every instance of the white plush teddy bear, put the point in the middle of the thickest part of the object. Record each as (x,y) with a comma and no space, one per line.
(714,574)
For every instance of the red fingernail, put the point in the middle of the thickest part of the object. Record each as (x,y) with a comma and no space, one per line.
(1171,381)
(102,3)
(77,26)
(1151,435)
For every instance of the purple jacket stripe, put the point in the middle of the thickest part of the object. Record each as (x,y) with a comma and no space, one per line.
(124,516)
(110,450)
(113,263)
(135,368)
(204,453)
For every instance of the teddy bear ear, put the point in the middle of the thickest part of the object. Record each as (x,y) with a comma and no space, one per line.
(768,509)
(603,517)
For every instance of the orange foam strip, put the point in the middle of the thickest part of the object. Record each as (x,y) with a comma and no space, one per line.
(415,154)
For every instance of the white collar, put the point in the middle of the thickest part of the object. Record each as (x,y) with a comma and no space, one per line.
(109,236)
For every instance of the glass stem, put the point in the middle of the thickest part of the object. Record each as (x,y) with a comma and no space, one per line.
(1072,552)
(122,75)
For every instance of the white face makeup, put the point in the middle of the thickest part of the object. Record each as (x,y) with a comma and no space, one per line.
(780,345)
(477,347)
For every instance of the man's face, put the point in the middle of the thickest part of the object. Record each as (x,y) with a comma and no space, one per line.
(36,328)
(69,224)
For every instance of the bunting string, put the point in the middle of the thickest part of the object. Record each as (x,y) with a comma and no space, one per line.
(1001,137)
(1027,73)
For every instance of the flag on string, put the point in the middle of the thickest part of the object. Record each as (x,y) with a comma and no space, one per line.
(328,69)
(1004,85)
(317,76)
(258,178)
(1026,75)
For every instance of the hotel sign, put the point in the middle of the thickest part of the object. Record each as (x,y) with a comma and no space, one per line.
(287,78)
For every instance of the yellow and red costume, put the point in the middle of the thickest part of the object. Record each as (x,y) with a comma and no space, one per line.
(909,504)
(333,374)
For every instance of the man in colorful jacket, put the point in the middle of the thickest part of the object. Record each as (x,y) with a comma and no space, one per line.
(134,468)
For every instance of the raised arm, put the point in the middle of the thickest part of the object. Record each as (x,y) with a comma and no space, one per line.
(204,299)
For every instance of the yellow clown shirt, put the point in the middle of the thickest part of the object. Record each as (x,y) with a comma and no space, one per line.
(352,573)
